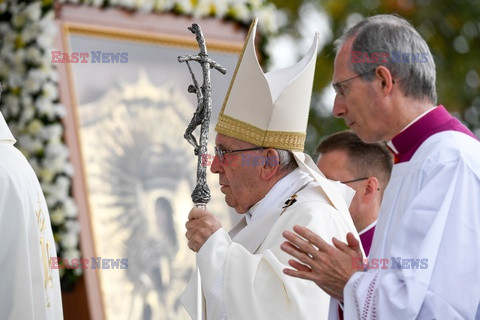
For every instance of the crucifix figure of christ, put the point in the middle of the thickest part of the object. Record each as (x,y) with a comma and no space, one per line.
(201,117)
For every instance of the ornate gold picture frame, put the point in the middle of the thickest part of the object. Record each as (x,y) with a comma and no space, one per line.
(127,108)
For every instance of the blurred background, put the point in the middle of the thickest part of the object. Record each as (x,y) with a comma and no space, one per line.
(451,29)
(33,106)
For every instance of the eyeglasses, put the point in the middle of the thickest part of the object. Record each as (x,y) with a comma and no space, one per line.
(354,180)
(221,153)
(338,86)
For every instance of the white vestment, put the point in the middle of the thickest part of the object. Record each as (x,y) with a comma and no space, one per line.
(242,276)
(429,230)
(29,287)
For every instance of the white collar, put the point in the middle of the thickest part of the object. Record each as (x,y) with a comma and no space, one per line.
(278,194)
(370,226)
(5,134)
(390,144)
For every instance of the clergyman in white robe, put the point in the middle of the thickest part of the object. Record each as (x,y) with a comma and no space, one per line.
(242,272)
(428,229)
(29,287)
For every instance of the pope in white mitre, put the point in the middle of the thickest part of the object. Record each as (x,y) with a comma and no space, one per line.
(29,287)
(266,178)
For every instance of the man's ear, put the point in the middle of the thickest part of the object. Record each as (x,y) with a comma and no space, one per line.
(270,164)
(371,189)
(386,79)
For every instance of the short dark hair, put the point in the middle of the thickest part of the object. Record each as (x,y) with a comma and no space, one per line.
(365,159)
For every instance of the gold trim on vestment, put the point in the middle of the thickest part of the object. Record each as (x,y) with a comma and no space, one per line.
(294,141)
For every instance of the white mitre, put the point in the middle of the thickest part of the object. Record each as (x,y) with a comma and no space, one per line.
(271,110)
(268,110)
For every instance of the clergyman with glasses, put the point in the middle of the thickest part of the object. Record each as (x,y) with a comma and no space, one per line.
(264,116)
(429,221)
(366,168)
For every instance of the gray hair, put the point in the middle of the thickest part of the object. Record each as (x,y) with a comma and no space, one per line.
(392,34)
(286,161)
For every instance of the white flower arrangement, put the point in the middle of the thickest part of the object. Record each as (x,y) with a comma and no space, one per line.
(240,10)
(30,91)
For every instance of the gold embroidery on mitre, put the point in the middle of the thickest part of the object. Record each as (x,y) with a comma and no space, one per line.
(244,131)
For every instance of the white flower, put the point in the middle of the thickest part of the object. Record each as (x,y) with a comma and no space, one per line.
(3,6)
(45,174)
(72,226)
(15,80)
(55,150)
(69,240)
(202,8)
(34,127)
(221,7)
(60,110)
(256,3)
(57,217)
(50,91)
(9,40)
(267,19)
(71,253)
(29,144)
(164,5)
(45,107)
(70,208)
(240,11)
(4,28)
(32,84)
(12,103)
(18,61)
(28,110)
(34,11)
(145,5)
(30,32)
(48,31)
(33,54)
(185,6)
(53,131)
(68,169)
(19,20)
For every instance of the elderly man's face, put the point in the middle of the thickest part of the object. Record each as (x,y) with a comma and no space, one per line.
(240,183)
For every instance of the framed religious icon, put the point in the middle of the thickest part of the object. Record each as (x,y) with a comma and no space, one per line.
(127,110)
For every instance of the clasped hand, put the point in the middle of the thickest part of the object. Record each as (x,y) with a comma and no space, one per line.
(200,226)
(330,267)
